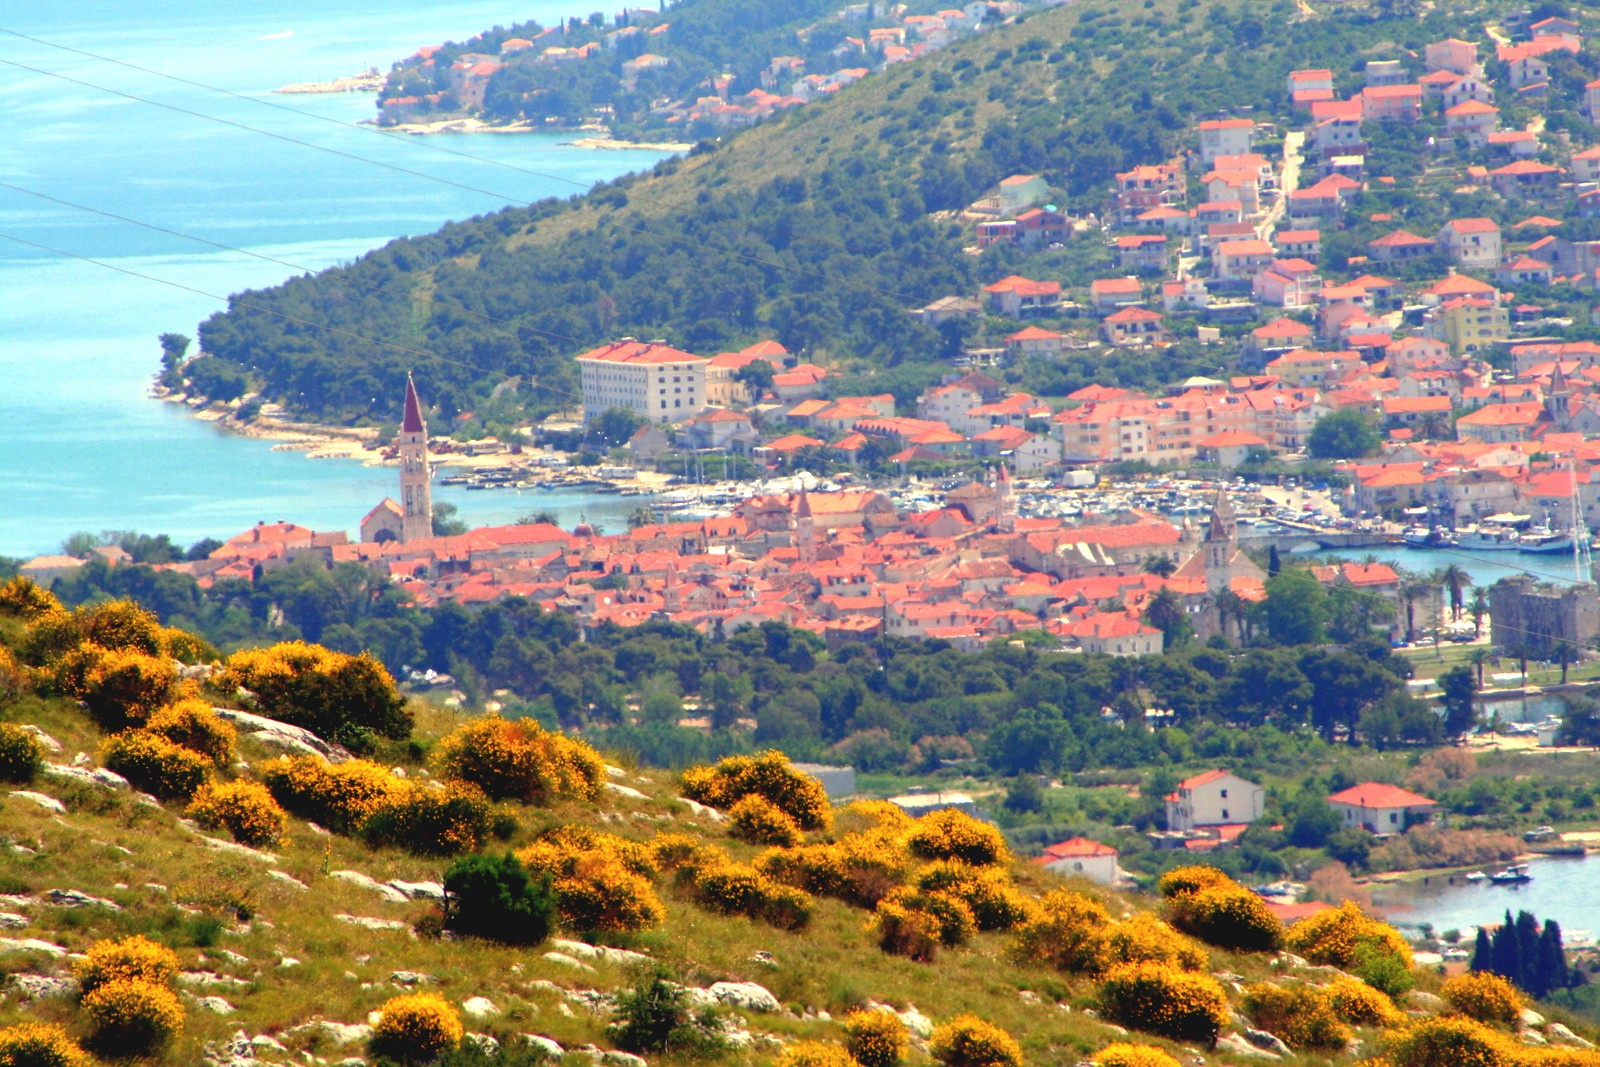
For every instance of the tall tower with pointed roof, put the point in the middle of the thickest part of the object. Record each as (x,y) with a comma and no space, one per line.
(1221,544)
(416,495)
(805,529)
(1558,402)
(1005,506)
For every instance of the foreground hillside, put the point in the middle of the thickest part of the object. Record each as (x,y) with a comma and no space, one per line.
(822,228)
(165,897)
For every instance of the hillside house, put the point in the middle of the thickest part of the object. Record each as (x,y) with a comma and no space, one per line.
(1142,252)
(1472,120)
(1134,327)
(1018,297)
(1035,341)
(1022,191)
(1215,798)
(1472,243)
(1451,54)
(1225,137)
(1391,103)
(1241,260)
(1298,244)
(1400,246)
(1081,858)
(1109,294)
(1380,808)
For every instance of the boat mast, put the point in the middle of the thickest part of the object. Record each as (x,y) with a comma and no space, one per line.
(1580,533)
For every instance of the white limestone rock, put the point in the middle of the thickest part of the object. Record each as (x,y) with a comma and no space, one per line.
(567,961)
(745,996)
(417,890)
(287,879)
(76,898)
(548,1046)
(215,1005)
(479,1007)
(10,920)
(367,922)
(30,944)
(387,892)
(581,950)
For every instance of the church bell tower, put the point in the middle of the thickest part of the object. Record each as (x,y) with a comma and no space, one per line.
(416,496)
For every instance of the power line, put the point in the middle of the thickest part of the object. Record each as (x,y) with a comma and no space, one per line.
(298,320)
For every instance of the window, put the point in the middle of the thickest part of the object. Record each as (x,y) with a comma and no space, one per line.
(1224,794)
(1394,816)
(1224,813)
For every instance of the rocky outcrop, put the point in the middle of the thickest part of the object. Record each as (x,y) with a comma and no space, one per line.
(295,739)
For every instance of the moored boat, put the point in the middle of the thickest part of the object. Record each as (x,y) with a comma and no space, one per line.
(1517,872)
(1489,539)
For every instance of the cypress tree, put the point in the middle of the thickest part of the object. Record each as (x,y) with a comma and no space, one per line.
(1552,959)
(1483,952)
(1505,950)
(1527,953)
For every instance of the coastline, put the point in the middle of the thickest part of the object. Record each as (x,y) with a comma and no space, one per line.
(598,141)
(369,81)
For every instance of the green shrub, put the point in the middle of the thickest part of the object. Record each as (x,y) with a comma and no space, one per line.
(416,1028)
(654,1017)
(493,898)
(130,1017)
(21,754)
(156,765)
(122,626)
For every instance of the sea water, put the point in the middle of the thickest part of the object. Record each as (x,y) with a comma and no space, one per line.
(82,446)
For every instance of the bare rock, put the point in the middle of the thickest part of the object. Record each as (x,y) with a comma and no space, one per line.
(622,1059)
(615,772)
(1289,961)
(484,1043)
(50,744)
(215,1005)
(209,979)
(698,809)
(1530,1018)
(1425,1001)
(338,1033)
(38,986)
(745,996)
(625,791)
(75,898)
(43,800)
(282,735)
(287,879)
(418,890)
(233,957)
(412,978)
(1264,1040)
(548,1046)
(30,944)
(1532,1037)
(1240,1047)
(287,962)
(1562,1035)
(581,950)
(99,777)
(367,922)
(10,920)
(387,892)
(568,961)
(479,1007)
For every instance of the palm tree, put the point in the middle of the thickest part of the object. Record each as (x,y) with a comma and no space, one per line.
(1413,587)
(1454,579)
(1478,607)
(1478,657)
(1230,606)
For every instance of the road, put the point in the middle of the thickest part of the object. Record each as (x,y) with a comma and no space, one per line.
(1288,181)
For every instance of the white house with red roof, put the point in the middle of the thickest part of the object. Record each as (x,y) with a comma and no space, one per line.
(649,378)
(1383,809)
(1215,798)
(1081,858)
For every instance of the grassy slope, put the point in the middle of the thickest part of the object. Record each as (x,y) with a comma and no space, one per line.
(109,846)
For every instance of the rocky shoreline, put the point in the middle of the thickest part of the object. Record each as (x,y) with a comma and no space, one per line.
(470,125)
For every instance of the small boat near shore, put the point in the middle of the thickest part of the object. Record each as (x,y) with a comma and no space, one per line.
(1512,875)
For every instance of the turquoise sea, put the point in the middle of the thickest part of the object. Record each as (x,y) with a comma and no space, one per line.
(81,445)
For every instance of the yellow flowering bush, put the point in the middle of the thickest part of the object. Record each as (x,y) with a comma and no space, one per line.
(245,809)
(431,822)
(950,921)
(1067,932)
(595,889)
(186,647)
(1163,1000)
(416,1028)
(40,1045)
(740,889)
(129,958)
(120,687)
(192,724)
(1452,1041)
(1143,938)
(968,1041)
(520,760)
(1229,917)
(1123,1054)
(1335,936)
(954,835)
(156,765)
(1488,998)
(1191,879)
(861,815)
(21,754)
(49,642)
(23,598)
(123,626)
(875,1038)
(996,903)
(815,1054)
(858,869)
(676,852)
(757,819)
(15,679)
(905,931)
(339,797)
(766,774)
(1359,1004)
(1302,1015)
(634,855)
(341,697)
(131,1017)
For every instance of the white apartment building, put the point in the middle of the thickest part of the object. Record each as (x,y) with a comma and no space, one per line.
(649,378)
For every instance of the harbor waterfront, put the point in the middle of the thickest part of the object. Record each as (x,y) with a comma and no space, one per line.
(85,446)
(1560,888)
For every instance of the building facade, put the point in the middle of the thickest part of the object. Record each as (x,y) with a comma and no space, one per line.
(649,378)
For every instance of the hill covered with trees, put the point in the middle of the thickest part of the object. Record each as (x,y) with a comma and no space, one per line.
(822,228)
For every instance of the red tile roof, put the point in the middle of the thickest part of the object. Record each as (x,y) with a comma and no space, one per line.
(1379,795)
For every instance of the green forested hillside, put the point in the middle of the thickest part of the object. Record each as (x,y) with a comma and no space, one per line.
(818,228)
